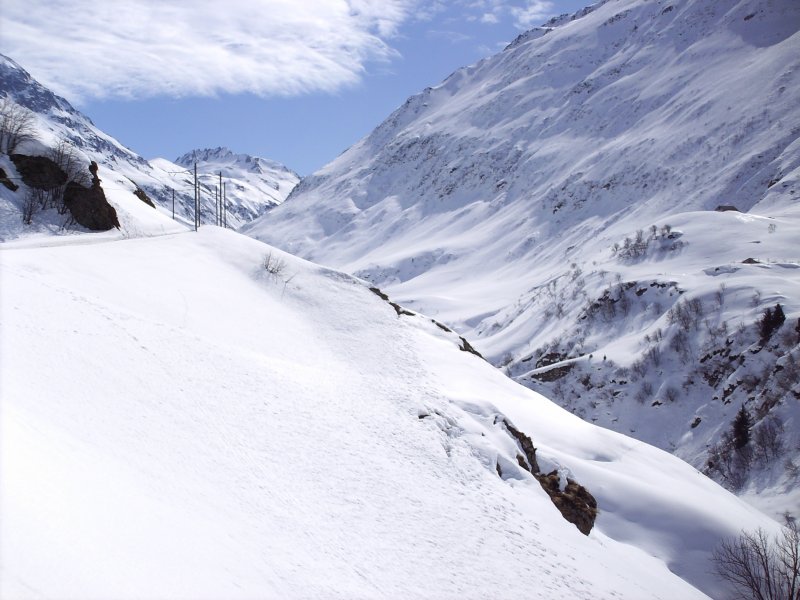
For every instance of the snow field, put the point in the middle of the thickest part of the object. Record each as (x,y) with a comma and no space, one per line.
(176,422)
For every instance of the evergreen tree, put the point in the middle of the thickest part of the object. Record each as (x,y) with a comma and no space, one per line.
(765,325)
(741,428)
(770,322)
(778,317)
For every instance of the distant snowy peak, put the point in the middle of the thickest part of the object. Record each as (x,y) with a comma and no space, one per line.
(253,185)
(227,158)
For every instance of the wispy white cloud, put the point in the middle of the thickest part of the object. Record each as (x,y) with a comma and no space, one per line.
(454,37)
(144,48)
(531,13)
(524,14)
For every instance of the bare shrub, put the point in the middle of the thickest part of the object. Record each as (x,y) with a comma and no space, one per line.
(671,393)
(681,344)
(768,440)
(639,368)
(16,125)
(645,392)
(759,567)
(31,204)
(720,295)
(275,266)
(69,161)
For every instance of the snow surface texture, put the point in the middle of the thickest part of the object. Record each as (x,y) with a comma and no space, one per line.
(555,204)
(253,184)
(179,422)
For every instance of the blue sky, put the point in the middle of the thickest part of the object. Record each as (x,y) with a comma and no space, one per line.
(294,81)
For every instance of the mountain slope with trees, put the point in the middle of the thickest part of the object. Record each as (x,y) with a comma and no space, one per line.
(607,209)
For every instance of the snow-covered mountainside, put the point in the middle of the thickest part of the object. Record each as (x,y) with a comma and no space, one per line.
(253,184)
(199,415)
(556,204)
(55,121)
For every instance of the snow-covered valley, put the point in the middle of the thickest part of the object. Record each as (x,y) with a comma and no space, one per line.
(541,293)
(606,209)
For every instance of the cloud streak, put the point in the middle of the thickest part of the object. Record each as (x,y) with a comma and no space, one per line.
(145,48)
(524,13)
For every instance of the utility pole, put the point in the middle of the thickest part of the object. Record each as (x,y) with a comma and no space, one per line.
(224,206)
(221,209)
(173,204)
(196,200)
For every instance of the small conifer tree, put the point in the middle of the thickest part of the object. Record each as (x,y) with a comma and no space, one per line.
(741,428)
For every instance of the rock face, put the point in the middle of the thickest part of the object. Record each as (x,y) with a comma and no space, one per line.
(39,172)
(89,206)
(574,502)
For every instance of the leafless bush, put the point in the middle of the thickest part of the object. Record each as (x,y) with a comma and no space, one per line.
(16,125)
(720,295)
(654,355)
(768,440)
(671,393)
(69,161)
(680,343)
(275,266)
(762,568)
(686,313)
(645,392)
(32,202)
(639,368)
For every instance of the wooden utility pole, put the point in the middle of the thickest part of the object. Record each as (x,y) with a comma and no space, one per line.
(224,206)
(221,209)
(173,204)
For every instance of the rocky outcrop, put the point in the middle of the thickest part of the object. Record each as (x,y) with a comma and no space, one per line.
(574,501)
(89,206)
(39,172)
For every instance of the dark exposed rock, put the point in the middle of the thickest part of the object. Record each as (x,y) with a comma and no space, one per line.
(442,327)
(39,172)
(726,208)
(89,206)
(141,195)
(526,445)
(7,182)
(379,293)
(555,373)
(467,347)
(575,503)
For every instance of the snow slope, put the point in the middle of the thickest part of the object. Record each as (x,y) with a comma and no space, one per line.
(289,435)
(250,191)
(500,202)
